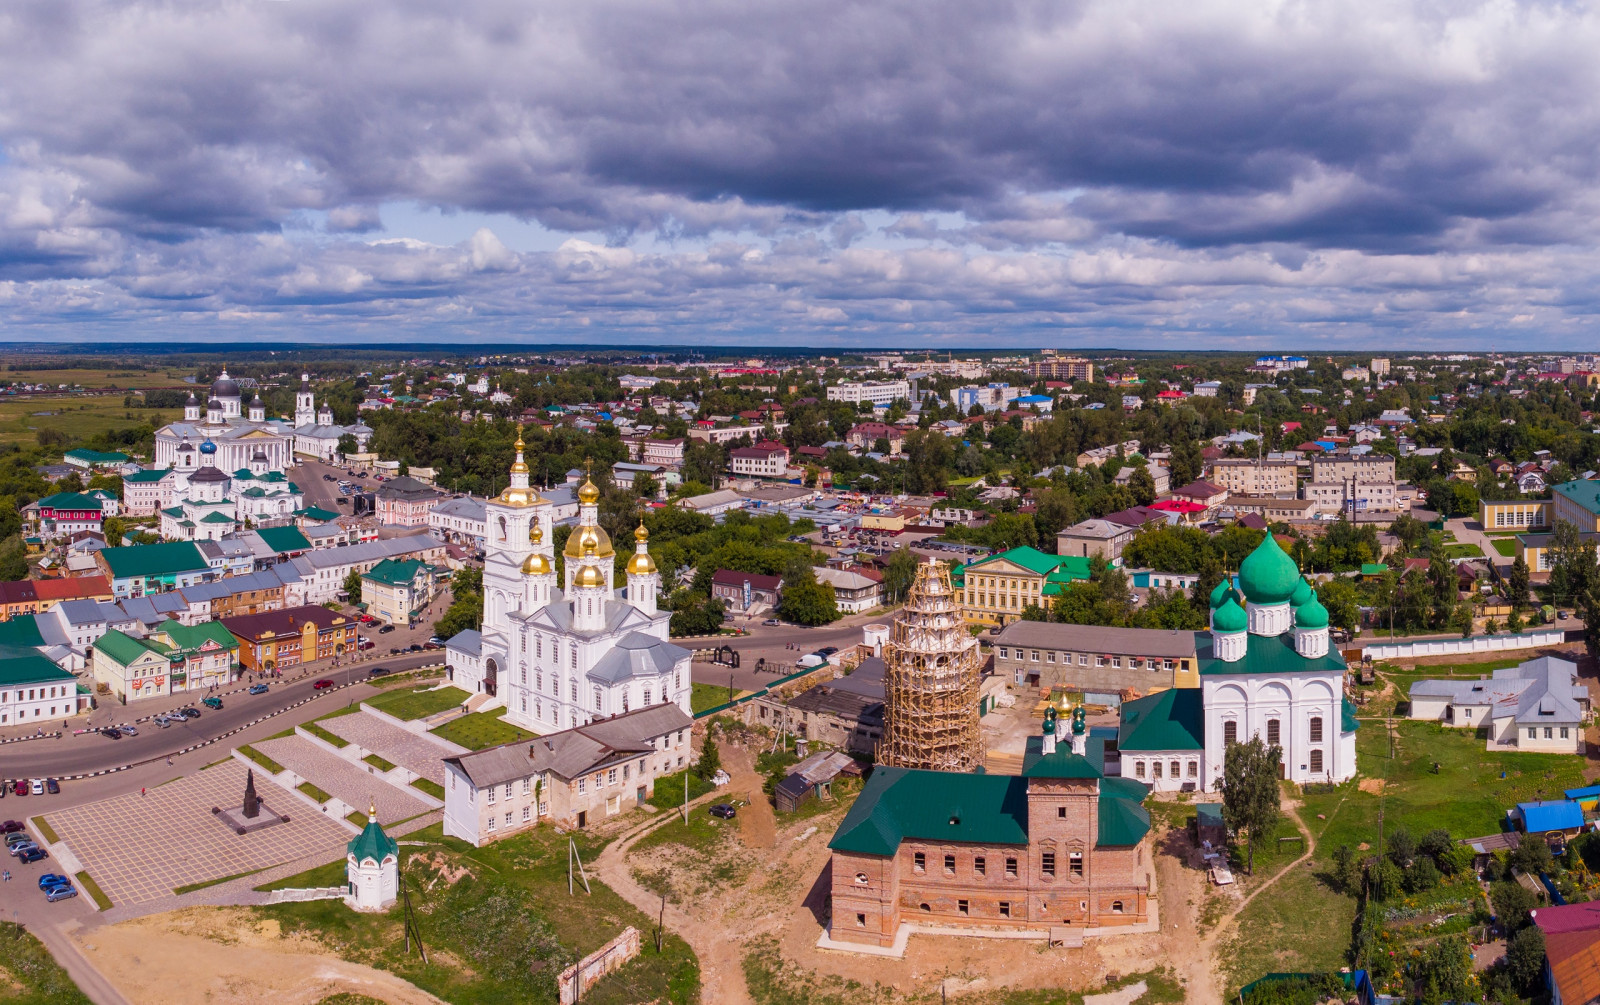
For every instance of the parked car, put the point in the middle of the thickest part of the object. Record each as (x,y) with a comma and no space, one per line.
(258,689)
(362,642)
(771,623)
(18,837)
(415,647)
(17,849)
(56,893)
(128,731)
(53,879)
(211,702)
(828,650)
(112,732)
(52,786)
(386,629)
(19,788)
(33,855)
(12,827)
(190,712)
(366,619)
(162,721)
(38,786)
(436,640)
(430,644)
(724,811)
(323,683)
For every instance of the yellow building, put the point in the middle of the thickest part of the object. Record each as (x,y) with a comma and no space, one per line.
(995,590)
(894,522)
(1578,503)
(1514,514)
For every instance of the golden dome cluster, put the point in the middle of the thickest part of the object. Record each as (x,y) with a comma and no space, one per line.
(536,565)
(587,537)
(589,576)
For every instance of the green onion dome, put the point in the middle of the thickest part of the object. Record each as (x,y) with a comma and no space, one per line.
(1221,592)
(1311,614)
(1268,576)
(1302,593)
(1230,618)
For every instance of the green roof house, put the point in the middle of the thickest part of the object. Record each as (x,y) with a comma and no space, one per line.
(34,691)
(140,569)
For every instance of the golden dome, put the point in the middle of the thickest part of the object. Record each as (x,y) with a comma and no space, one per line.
(586,537)
(640,534)
(589,576)
(641,565)
(536,533)
(521,466)
(519,497)
(588,494)
(536,565)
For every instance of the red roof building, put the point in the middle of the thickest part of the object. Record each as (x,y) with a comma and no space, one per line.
(1571,949)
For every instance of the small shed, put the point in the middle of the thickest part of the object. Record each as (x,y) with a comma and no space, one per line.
(1556,816)
(1209,826)
(812,778)
(1587,798)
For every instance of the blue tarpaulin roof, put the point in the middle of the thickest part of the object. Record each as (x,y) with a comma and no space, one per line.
(1550,816)
(1588,792)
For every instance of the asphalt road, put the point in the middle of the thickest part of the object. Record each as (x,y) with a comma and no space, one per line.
(88,752)
(325,494)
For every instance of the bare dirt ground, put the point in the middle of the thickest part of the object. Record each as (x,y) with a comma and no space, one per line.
(778,901)
(173,959)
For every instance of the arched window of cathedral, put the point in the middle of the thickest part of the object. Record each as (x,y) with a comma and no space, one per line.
(574,657)
(502,529)
(598,697)
(647,697)
(538,645)
(524,683)
(574,690)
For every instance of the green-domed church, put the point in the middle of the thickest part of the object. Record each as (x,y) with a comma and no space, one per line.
(1265,669)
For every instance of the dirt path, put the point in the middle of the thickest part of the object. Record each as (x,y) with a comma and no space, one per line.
(1201,968)
(758,823)
(721,959)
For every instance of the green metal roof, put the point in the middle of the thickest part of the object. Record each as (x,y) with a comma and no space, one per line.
(1265,655)
(19,665)
(1123,822)
(149,475)
(1347,717)
(394,573)
(1584,493)
(191,639)
(1031,559)
(1062,763)
(70,500)
(1373,568)
(166,559)
(1167,720)
(901,803)
(96,456)
(217,518)
(284,538)
(317,514)
(125,648)
(20,632)
(373,843)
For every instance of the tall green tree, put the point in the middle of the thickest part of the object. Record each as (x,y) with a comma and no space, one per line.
(352,587)
(898,574)
(1517,584)
(1250,796)
(805,601)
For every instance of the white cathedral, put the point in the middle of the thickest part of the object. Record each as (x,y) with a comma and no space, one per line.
(559,658)
(240,435)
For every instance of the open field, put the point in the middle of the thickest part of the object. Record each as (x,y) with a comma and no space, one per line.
(1506,546)
(78,417)
(120,377)
(1302,923)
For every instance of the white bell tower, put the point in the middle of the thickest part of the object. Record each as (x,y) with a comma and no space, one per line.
(305,406)
(644,581)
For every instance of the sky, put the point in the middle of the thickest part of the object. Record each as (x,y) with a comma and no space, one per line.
(924,173)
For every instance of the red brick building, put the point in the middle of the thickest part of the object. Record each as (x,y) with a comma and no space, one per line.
(1058,847)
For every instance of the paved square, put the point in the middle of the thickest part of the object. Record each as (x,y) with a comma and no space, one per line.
(390,742)
(341,779)
(141,848)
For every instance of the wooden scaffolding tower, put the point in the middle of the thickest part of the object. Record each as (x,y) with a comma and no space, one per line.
(930,712)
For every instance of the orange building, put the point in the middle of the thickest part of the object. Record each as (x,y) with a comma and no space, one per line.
(291,637)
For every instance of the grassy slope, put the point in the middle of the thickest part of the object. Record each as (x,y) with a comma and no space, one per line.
(407,704)
(525,879)
(1301,922)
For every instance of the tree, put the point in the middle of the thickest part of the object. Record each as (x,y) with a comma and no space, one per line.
(1346,869)
(695,614)
(1385,880)
(644,486)
(1511,902)
(710,760)
(1402,847)
(464,613)
(1525,959)
(1250,797)
(13,560)
(808,602)
(348,445)
(1531,855)
(352,586)
(1517,585)
(1142,486)
(898,574)
(1445,971)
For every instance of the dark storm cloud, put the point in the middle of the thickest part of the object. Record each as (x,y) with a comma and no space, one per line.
(1203,166)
